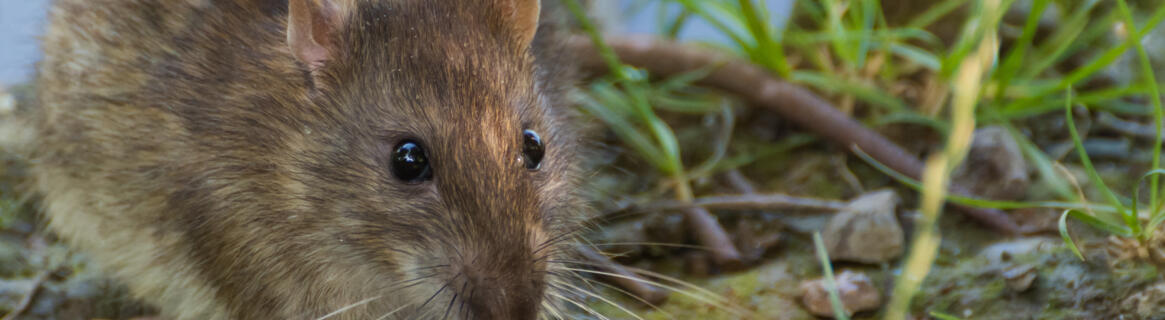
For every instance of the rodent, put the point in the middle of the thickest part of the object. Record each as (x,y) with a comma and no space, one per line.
(356,159)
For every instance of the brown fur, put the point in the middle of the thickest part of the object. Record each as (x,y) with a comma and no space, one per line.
(185,147)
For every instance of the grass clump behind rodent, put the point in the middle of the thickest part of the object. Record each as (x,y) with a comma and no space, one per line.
(855,54)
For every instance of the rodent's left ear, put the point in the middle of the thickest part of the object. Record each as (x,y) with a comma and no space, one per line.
(312,26)
(521,16)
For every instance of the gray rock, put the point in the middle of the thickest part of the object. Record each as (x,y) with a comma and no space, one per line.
(855,289)
(995,167)
(1002,252)
(866,231)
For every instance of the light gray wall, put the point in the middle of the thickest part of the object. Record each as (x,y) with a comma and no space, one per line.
(20,23)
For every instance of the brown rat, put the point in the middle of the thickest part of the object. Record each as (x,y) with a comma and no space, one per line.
(264,159)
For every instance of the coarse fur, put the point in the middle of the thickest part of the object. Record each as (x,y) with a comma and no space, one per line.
(183,145)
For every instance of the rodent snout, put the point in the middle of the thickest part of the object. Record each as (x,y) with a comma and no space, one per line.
(496,289)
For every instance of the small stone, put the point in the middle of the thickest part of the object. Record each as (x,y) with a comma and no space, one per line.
(1001,252)
(1036,220)
(1019,278)
(855,289)
(1147,302)
(995,167)
(866,231)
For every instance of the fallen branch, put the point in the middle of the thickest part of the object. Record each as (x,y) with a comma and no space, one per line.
(761,88)
(712,235)
(750,201)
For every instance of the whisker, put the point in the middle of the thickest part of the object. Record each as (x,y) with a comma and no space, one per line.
(461,308)
(426,268)
(449,307)
(637,298)
(648,243)
(348,307)
(577,304)
(649,273)
(415,281)
(385,316)
(715,299)
(600,297)
(552,310)
(554,240)
(430,299)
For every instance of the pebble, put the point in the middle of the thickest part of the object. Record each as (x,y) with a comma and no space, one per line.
(855,289)
(866,231)
(1019,278)
(995,167)
(1148,302)
(1037,220)
(1002,252)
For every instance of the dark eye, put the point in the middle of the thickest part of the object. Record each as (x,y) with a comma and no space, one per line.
(410,163)
(532,149)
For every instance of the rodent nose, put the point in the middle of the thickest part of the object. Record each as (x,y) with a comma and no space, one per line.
(497,292)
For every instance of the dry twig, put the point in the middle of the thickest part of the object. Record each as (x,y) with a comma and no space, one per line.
(750,201)
(710,234)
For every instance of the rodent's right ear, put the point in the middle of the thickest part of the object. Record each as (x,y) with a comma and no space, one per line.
(312,28)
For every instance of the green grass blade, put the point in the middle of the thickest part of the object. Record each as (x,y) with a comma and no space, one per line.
(723,18)
(671,29)
(1063,226)
(1147,72)
(1011,64)
(876,36)
(1028,108)
(935,12)
(1106,59)
(616,67)
(1144,234)
(686,103)
(917,55)
(869,9)
(977,202)
(724,136)
(1043,165)
(624,130)
(830,282)
(833,84)
(943,316)
(1092,221)
(1084,159)
(1056,45)
(834,15)
(770,53)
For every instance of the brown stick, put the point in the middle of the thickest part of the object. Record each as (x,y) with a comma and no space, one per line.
(760,88)
(710,234)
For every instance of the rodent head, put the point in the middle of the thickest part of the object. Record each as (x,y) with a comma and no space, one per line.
(437,173)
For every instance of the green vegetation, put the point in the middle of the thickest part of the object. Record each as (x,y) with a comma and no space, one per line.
(853,53)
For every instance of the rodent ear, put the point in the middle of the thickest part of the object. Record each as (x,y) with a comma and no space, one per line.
(312,26)
(521,16)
